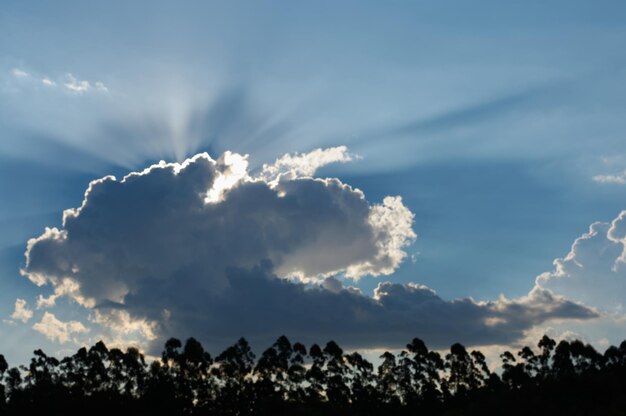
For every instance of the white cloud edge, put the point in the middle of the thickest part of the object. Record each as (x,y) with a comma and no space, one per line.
(294,165)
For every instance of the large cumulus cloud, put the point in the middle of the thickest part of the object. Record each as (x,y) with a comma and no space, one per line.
(205,248)
(174,222)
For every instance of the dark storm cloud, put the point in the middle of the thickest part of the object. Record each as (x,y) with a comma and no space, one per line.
(263,306)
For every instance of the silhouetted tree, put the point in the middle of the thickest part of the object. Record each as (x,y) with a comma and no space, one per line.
(514,374)
(570,377)
(187,372)
(546,345)
(467,372)
(296,374)
(422,369)
(234,367)
(387,381)
(4,366)
(362,382)
(315,375)
(272,385)
(337,391)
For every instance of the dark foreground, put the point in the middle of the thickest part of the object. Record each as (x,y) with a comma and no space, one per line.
(570,378)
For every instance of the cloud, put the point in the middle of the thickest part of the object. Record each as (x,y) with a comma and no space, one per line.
(56,330)
(48,82)
(76,85)
(101,87)
(298,165)
(168,218)
(21,313)
(125,325)
(594,273)
(202,248)
(19,73)
(82,86)
(62,288)
(619,178)
(70,83)
(594,270)
(263,306)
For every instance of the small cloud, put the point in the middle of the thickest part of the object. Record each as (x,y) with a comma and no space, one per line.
(296,165)
(69,82)
(18,73)
(56,330)
(82,86)
(48,82)
(76,85)
(101,87)
(21,313)
(414,257)
(619,179)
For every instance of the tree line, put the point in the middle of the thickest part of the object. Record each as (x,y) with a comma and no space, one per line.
(287,378)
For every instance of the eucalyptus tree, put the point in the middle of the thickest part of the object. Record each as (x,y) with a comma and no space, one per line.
(296,374)
(271,373)
(420,374)
(234,370)
(315,375)
(466,372)
(4,366)
(362,382)
(387,380)
(186,370)
(337,389)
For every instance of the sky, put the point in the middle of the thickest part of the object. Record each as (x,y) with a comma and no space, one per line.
(360,171)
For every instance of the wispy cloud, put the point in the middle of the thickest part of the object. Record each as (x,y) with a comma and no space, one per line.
(101,87)
(68,82)
(48,82)
(79,86)
(75,85)
(292,166)
(19,73)
(619,178)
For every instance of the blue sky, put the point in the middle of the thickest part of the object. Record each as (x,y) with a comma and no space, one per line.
(490,119)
